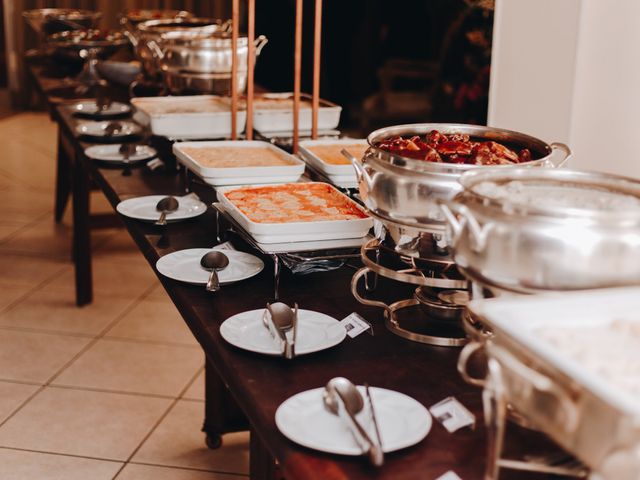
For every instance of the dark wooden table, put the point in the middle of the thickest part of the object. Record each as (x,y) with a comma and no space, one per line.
(242,384)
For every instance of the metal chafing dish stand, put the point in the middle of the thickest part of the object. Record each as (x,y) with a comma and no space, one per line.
(402,194)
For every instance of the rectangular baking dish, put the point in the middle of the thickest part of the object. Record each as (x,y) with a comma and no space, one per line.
(580,409)
(329,168)
(163,118)
(220,176)
(297,231)
(274,120)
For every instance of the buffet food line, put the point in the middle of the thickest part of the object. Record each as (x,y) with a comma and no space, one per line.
(450,235)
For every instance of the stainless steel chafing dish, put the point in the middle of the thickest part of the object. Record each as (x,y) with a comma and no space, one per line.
(147,36)
(529,230)
(582,410)
(405,191)
(204,65)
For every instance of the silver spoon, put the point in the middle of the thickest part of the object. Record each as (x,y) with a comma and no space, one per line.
(214,261)
(164,206)
(340,389)
(113,128)
(127,149)
(284,318)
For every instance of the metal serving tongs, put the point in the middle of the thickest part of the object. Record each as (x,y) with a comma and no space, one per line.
(342,398)
(280,319)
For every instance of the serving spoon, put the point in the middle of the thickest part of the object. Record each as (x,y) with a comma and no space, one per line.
(166,205)
(285,318)
(127,149)
(340,389)
(214,261)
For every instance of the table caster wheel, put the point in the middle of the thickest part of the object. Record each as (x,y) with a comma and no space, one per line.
(213,441)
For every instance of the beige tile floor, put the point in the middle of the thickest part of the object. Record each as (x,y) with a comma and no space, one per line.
(113,390)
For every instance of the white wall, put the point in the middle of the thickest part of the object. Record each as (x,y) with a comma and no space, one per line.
(569,70)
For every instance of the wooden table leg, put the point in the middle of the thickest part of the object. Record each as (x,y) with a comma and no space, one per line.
(63,179)
(222,414)
(262,465)
(82,231)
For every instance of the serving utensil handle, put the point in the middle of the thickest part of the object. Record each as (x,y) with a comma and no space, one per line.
(213,284)
(368,446)
(163,219)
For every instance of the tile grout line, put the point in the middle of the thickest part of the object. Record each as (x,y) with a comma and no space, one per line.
(194,469)
(68,363)
(60,454)
(156,424)
(38,286)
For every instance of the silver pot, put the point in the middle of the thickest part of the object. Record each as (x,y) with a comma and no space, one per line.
(205,83)
(530,230)
(147,36)
(405,191)
(210,55)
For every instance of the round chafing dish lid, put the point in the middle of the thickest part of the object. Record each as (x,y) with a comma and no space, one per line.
(555,192)
(178,25)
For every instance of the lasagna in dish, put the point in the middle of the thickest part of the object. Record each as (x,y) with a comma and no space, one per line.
(294,202)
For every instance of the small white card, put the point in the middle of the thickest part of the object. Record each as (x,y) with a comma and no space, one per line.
(154,164)
(354,324)
(450,475)
(224,246)
(452,414)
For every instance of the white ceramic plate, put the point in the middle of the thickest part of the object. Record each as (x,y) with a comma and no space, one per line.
(184,265)
(111,153)
(144,208)
(316,331)
(92,109)
(303,419)
(98,129)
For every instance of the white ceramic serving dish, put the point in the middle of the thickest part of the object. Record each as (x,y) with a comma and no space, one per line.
(220,176)
(330,169)
(164,118)
(281,119)
(297,231)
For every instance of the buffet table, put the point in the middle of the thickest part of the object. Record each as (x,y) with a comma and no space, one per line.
(243,390)
(258,384)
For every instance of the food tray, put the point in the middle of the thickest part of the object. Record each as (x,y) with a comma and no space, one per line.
(580,409)
(287,232)
(281,119)
(165,118)
(220,176)
(331,169)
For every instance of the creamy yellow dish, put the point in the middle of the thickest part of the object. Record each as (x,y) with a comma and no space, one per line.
(331,153)
(236,157)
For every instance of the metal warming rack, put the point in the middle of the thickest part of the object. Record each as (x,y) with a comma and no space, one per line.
(311,256)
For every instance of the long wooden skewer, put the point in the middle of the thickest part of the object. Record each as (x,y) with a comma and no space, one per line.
(251,59)
(297,64)
(235,16)
(317,42)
